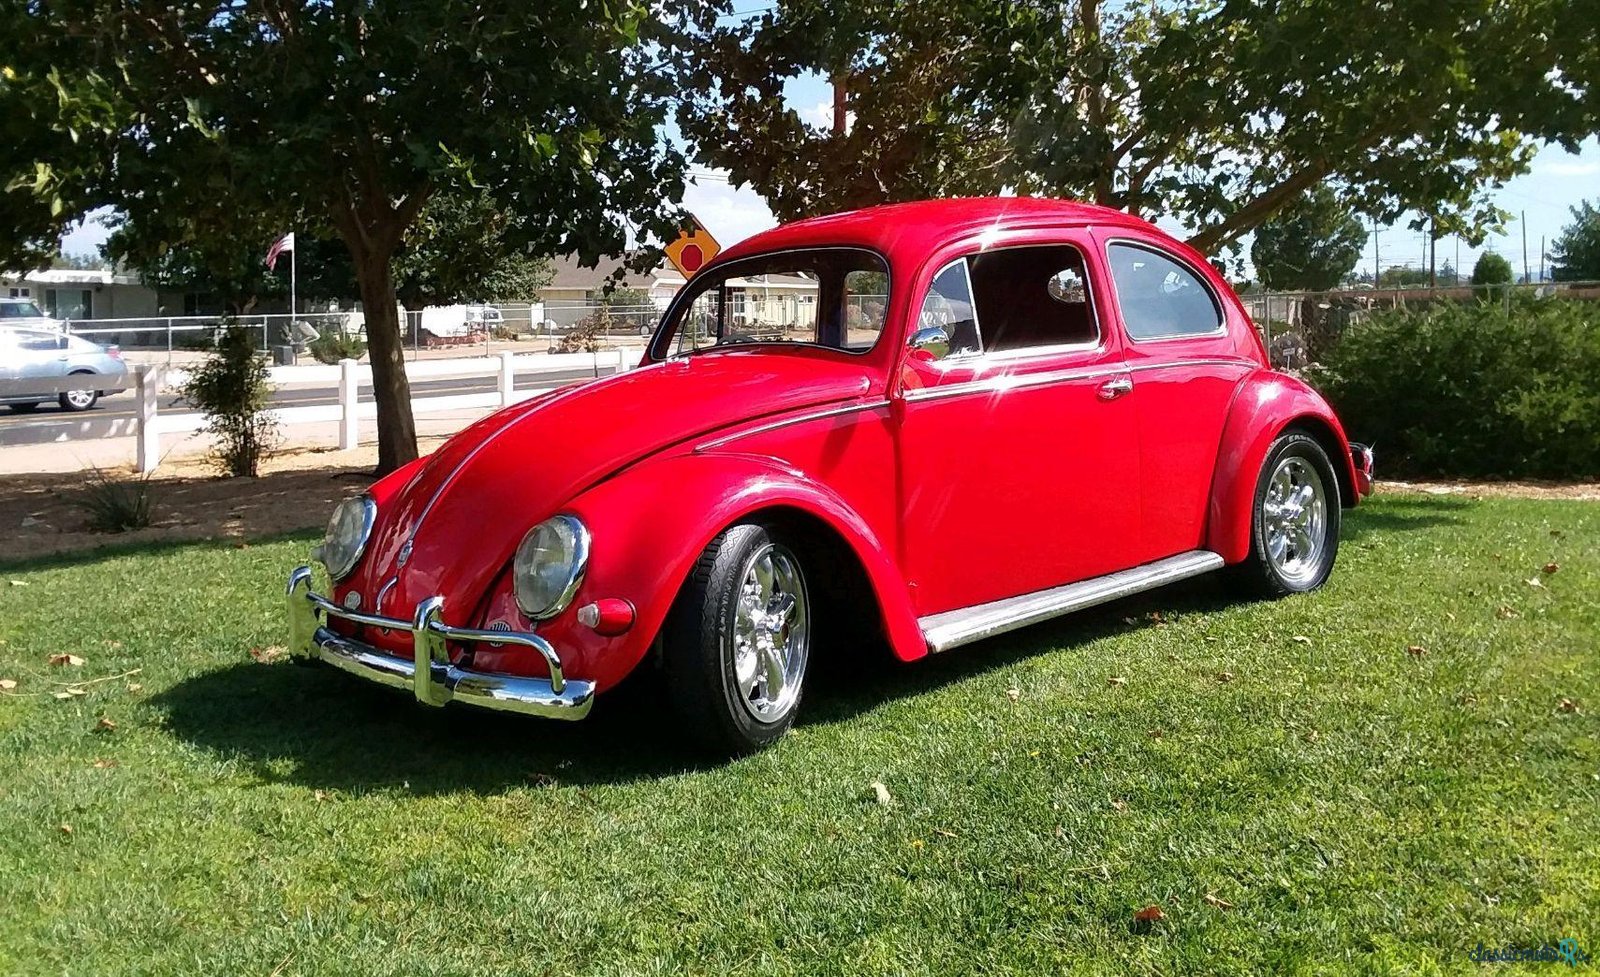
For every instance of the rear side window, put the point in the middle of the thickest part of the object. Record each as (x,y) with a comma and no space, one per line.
(1160,298)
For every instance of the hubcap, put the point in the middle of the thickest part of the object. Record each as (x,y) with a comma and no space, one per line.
(1295,517)
(771,634)
(80,398)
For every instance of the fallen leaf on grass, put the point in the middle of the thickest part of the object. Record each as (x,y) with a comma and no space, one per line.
(113,645)
(72,660)
(7,684)
(71,692)
(1224,676)
(105,725)
(1117,680)
(269,654)
(135,687)
(1149,914)
(1301,638)
(1416,651)
(104,764)
(1505,612)
(19,583)
(1567,705)
(320,795)
(1119,805)
(882,794)
(1156,733)
(1535,582)
(66,829)
(1211,899)
(947,834)
(1312,736)
(1013,694)
(1551,567)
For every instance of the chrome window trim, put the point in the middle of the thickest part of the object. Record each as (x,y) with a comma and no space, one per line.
(1011,382)
(1023,352)
(682,299)
(1205,285)
(972,300)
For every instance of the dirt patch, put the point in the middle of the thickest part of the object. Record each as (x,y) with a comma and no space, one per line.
(295,491)
(1581,491)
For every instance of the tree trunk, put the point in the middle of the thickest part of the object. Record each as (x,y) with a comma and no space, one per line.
(397,428)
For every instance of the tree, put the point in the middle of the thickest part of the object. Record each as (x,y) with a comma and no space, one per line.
(1215,112)
(464,249)
(1312,244)
(1491,273)
(1399,276)
(343,120)
(1577,250)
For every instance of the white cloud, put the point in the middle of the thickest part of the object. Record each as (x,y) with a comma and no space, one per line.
(1574,168)
(730,214)
(821,116)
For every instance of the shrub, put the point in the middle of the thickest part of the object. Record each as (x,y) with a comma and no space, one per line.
(230,388)
(1474,390)
(114,505)
(1490,271)
(333,345)
(586,334)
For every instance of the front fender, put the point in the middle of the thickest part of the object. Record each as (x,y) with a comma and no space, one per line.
(650,523)
(1265,405)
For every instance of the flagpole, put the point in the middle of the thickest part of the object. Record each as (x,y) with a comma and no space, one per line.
(292,309)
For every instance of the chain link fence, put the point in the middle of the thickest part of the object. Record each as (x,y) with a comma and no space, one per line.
(1299,328)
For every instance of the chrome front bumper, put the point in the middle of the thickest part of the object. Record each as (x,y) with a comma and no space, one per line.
(429,674)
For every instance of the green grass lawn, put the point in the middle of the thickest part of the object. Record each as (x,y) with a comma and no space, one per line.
(1294,788)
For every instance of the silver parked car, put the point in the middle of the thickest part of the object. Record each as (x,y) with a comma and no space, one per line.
(29,358)
(24,314)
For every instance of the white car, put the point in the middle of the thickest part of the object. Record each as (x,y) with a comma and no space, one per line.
(24,314)
(33,362)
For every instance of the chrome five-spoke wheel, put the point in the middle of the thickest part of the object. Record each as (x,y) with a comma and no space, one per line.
(1294,525)
(735,647)
(1295,514)
(771,633)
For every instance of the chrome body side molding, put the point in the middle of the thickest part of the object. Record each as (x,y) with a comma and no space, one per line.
(964,625)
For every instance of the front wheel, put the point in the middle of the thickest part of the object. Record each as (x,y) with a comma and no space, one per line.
(79,400)
(1294,523)
(736,643)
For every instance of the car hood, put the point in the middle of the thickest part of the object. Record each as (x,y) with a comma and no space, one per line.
(461,512)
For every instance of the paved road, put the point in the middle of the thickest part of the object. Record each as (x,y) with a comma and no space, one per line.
(124,404)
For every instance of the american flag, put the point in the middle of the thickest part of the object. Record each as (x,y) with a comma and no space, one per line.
(282,244)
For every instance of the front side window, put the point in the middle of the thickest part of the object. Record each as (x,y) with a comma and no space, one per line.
(1160,298)
(832,297)
(1008,299)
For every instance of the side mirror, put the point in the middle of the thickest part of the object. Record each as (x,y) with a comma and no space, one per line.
(932,341)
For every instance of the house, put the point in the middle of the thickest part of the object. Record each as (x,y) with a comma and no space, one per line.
(574,291)
(77,295)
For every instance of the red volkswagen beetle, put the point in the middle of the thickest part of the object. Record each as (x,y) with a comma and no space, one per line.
(930,422)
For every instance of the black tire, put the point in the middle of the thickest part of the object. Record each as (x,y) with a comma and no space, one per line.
(24,408)
(698,645)
(1264,574)
(69,406)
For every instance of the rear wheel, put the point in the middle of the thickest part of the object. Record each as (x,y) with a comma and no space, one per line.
(79,400)
(737,641)
(1294,525)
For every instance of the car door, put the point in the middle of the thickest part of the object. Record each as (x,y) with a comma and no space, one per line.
(1185,362)
(1015,462)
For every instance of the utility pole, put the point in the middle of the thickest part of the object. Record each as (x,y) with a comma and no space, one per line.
(1526,275)
(1541,259)
(1377,271)
(1458,261)
(1433,252)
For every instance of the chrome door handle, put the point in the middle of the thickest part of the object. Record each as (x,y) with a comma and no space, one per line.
(1112,389)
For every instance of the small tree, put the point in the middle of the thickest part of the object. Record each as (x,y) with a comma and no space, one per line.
(230,387)
(1492,273)
(1312,244)
(1577,250)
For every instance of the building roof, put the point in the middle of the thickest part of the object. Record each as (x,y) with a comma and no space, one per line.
(569,273)
(74,276)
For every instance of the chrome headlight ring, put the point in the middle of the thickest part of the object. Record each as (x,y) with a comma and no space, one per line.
(549,566)
(346,536)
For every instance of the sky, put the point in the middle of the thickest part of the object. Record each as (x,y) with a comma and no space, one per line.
(1539,201)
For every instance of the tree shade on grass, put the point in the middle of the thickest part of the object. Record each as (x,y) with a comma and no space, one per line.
(1373,778)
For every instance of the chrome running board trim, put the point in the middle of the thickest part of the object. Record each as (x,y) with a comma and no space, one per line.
(964,625)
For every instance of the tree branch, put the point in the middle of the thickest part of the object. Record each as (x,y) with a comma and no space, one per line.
(1263,206)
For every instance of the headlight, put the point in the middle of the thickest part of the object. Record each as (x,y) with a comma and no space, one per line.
(549,566)
(347,535)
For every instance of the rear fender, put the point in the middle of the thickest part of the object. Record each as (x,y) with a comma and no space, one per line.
(651,523)
(1266,405)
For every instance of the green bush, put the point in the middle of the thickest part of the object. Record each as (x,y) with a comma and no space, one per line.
(114,505)
(1474,390)
(230,387)
(334,345)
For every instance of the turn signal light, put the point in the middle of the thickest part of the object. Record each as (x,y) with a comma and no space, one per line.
(610,616)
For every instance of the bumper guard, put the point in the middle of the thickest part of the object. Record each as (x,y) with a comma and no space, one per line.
(429,674)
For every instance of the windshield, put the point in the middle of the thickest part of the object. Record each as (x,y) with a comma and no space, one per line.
(832,297)
(14,309)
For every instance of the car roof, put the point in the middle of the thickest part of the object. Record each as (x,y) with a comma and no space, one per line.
(926,224)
